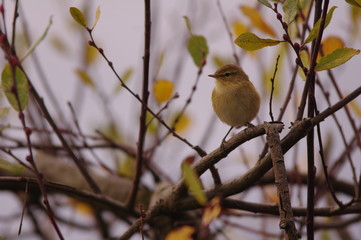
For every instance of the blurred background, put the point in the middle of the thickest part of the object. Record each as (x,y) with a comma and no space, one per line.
(65,69)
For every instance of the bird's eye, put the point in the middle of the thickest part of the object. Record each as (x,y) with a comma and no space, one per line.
(227,74)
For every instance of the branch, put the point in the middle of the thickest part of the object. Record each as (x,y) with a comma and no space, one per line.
(142,121)
(284,202)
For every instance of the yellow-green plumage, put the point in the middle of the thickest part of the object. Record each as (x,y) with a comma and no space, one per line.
(234,98)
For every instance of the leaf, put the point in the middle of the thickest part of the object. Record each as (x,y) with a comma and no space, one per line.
(330,44)
(10,167)
(193,183)
(81,207)
(239,28)
(356,108)
(212,211)
(162,90)
(220,61)
(198,49)
(2,127)
(182,123)
(314,32)
(266,3)
(251,42)
(38,41)
(152,126)
(305,58)
(78,16)
(336,58)
(188,24)
(21,87)
(290,7)
(356,3)
(97,16)
(355,16)
(268,72)
(91,54)
(125,77)
(257,20)
(126,167)
(182,233)
(85,77)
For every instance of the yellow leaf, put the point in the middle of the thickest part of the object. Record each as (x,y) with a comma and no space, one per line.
(355,15)
(268,72)
(356,108)
(183,122)
(97,16)
(219,61)
(257,20)
(91,54)
(330,44)
(126,167)
(59,45)
(81,207)
(193,183)
(14,168)
(239,28)
(162,90)
(212,211)
(182,233)
(85,77)
(305,58)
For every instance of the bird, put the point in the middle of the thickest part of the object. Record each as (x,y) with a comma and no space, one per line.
(235,100)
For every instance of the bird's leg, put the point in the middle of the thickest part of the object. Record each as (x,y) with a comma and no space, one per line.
(224,139)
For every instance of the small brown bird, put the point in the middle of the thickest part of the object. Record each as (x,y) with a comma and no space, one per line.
(234,98)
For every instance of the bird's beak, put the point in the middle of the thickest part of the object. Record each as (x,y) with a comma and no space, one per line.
(212,76)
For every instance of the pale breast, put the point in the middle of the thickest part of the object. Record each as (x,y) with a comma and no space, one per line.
(236,106)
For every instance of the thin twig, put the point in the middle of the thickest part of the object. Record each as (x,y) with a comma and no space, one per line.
(272,88)
(145,97)
(224,19)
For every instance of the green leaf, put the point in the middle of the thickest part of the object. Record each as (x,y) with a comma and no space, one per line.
(306,62)
(356,3)
(125,77)
(193,183)
(10,167)
(97,16)
(290,7)
(336,58)
(265,2)
(85,77)
(126,167)
(38,41)
(21,87)
(198,49)
(251,42)
(78,16)
(188,24)
(2,127)
(314,32)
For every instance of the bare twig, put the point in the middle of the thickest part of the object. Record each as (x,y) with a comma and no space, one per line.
(142,121)
(272,88)
(224,19)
